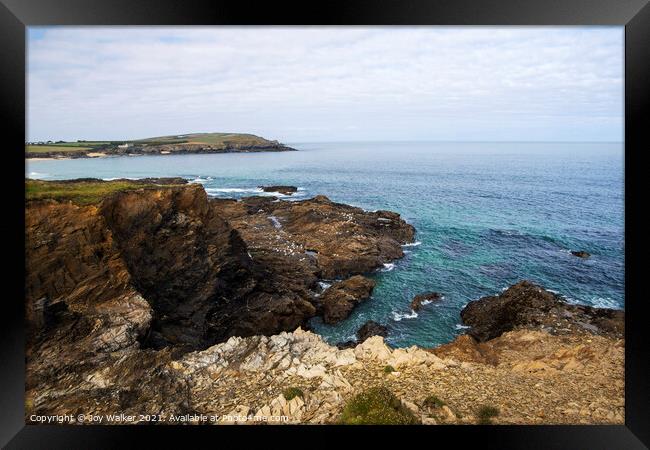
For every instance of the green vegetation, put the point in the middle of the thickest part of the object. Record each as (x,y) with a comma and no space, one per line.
(389,369)
(433,402)
(377,406)
(485,414)
(215,139)
(54,148)
(292,392)
(80,192)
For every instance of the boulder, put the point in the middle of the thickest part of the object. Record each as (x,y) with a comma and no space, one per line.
(339,299)
(580,254)
(423,299)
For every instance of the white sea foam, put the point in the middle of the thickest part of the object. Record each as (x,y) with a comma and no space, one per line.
(605,302)
(399,316)
(231,190)
(201,180)
(38,175)
(388,267)
(412,244)
(459,326)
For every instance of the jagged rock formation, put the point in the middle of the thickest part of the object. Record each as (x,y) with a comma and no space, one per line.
(527,305)
(165,267)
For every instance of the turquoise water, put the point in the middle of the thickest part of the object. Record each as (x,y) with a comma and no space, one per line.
(487,215)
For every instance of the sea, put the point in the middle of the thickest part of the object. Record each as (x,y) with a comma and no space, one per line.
(487,215)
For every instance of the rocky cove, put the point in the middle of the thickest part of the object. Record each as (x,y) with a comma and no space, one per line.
(154,299)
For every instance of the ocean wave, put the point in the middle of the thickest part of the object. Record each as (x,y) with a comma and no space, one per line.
(388,267)
(201,180)
(412,244)
(231,190)
(399,316)
(459,326)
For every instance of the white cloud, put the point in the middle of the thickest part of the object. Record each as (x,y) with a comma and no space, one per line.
(327,83)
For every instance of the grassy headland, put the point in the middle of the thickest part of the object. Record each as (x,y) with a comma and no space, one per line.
(182,143)
(84,191)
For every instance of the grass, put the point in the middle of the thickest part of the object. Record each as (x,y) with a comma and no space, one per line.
(377,406)
(293,392)
(433,402)
(79,192)
(389,369)
(216,139)
(55,148)
(485,414)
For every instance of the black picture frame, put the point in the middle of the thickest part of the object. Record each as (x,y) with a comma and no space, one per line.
(634,15)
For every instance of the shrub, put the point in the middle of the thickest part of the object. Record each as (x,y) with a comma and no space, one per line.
(486,413)
(377,406)
(433,402)
(292,392)
(389,369)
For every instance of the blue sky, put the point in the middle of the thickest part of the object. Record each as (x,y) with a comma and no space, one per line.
(302,84)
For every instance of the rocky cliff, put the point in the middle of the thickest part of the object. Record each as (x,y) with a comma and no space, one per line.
(153,299)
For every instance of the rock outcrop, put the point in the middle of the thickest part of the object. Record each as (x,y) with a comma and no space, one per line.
(424,299)
(162,267)
(526,304)
(339,299)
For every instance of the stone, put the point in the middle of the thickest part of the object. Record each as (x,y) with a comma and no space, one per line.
(424,299)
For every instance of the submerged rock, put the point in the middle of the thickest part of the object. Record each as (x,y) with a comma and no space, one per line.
(422,299)
(286,190)
(339,299)
(580,254)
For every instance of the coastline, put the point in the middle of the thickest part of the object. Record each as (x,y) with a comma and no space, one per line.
(268,257)
(154,150)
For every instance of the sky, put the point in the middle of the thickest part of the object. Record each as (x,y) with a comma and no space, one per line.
(320,84)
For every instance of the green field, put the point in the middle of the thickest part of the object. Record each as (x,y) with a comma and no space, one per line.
(218,139)
(80,192)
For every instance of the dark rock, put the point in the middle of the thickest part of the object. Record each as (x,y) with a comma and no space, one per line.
(369,329)
(339,299)
(528,305)
(346,344)
(286,190)
(427,297)
(580,254)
